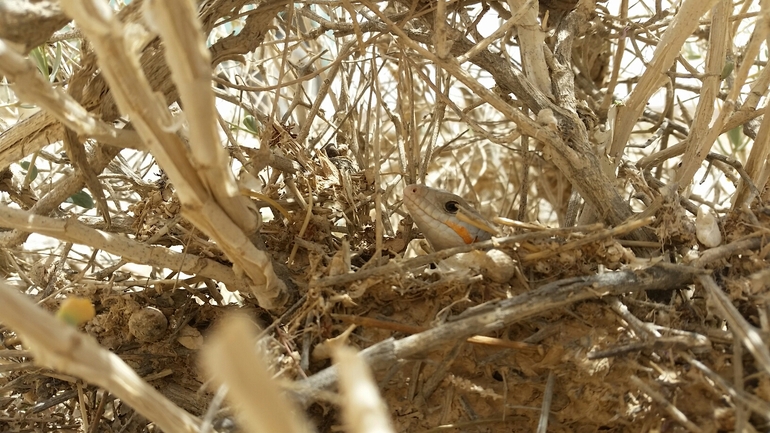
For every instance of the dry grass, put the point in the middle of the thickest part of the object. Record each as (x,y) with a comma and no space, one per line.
(169,193)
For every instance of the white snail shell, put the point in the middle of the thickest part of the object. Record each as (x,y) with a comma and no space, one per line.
(707,228)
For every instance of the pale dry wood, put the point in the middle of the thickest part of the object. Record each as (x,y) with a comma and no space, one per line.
(378,188)
(329,75)
(78,157)
(394,267)
(597,236)
(63,188)
(657,158)
(580,164)
(545,410)
(41,129)
(669,46)
(728,108)
(564,89)
(751,401)
(617,61)
(71,230)
(741,412)
(672,410)
(749,106)
(251,35)
(190,63)
(531,44)
(500,314)
(28,136)
(231,359)
(363,408)
(651,336)
(698,146)
(29,86)
(738,118)
(156,126)
(441,44)
(415,173)
(756,163)
(62,348)
(410,329)
(30,23)
(497,34)
(722,252)
(673,339)
(724,163)
(748,335)
(577,161)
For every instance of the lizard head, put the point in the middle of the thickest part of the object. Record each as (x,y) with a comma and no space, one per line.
(445,219)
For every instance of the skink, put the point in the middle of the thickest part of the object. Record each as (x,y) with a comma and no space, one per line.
(444,218)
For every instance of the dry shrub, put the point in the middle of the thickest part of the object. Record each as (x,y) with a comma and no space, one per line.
(172,163)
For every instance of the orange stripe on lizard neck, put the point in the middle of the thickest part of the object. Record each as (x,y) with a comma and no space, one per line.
(461,231)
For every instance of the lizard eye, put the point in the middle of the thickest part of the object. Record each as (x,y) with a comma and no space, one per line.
(452,206)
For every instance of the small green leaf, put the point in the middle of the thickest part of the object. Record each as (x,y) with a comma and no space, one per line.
(727,69)
(251,124)
(56,63)
(736,136)
(31,173)
(82,199)
(38,56)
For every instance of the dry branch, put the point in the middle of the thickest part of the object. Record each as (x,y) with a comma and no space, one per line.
(246,375)
(497,315)
(62,348)
(76,232)
(30,86)
(155,124)
(326,110)
(667,51)
(30,23)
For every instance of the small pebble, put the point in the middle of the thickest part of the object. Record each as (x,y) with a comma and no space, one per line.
(148,325)
(498,266)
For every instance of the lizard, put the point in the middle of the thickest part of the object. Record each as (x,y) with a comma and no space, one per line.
(445,219)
